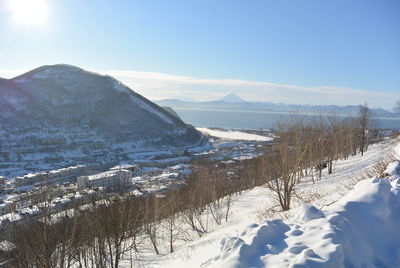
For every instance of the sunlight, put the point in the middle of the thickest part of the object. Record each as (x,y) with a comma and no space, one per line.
(29,12)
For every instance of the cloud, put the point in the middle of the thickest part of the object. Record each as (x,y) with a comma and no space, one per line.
(3,5)
(156,86)
(5,73)
(162,86)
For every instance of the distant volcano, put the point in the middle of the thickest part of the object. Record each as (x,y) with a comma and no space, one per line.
(232,98)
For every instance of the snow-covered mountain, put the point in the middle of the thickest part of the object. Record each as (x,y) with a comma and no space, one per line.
(60,99)
(232,98)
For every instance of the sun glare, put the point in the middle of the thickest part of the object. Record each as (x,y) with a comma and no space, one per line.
(29,12)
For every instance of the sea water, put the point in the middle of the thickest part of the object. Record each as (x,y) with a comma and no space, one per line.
(250,119)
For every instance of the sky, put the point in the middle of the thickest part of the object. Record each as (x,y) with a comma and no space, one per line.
(307,52)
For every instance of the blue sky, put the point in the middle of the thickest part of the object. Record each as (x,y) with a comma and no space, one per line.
(310,51)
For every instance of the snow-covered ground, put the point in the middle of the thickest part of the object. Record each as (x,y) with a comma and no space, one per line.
(359,230)
(233,135)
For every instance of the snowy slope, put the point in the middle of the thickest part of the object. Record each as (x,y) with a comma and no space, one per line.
(333,235)
(360,230)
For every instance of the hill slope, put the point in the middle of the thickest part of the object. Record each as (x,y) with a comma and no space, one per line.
(77,106)
(360,230)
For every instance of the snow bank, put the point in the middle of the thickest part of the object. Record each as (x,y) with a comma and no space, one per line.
(393,168)
(233,135)
(360,230)
(307,213)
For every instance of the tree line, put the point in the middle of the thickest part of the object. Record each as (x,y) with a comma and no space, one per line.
(306,145)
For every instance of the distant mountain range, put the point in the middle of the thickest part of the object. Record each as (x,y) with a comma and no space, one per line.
(234,102)
(68,105)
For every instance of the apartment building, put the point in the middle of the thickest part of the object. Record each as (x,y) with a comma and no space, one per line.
(112,180)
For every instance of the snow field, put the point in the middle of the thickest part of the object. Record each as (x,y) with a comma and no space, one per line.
(360,230)
(233,135)
(305,236)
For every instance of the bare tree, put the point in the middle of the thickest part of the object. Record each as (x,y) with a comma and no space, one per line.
(151,220)
(364,126)
(170,211)
(291,149)
(196,197)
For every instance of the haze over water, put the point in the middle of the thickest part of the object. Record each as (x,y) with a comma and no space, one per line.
(249,119)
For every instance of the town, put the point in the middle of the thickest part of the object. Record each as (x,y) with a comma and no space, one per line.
(147,173)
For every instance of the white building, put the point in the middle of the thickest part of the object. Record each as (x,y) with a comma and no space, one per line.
(53,176)
(135,169)
(115,179)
